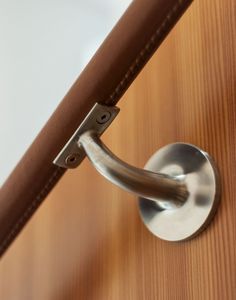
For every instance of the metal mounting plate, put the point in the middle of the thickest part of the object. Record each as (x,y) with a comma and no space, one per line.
(98,119)
(199,173)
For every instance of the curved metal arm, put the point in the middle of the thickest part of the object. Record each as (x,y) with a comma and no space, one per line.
(153,186)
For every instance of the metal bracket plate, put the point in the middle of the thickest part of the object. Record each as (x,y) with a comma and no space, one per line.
(98,119)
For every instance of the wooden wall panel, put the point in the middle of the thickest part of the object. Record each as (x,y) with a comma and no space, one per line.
(87,240)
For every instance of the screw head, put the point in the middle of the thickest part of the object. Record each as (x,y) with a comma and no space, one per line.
(72,160)
(103,117)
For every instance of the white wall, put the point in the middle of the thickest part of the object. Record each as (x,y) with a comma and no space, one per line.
(40,58)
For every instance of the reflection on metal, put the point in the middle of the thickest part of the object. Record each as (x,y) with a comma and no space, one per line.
(178,189)
(199,174)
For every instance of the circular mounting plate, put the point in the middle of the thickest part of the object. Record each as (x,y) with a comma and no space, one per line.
(200,175)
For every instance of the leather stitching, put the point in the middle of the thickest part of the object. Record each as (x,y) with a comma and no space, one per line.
(144,54)
(31,208)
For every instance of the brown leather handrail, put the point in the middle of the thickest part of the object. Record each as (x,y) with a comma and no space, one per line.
(107,76)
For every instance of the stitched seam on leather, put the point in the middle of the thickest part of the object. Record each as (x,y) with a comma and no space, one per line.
(30,209)
(143,55)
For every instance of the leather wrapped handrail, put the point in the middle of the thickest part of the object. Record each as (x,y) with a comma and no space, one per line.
(107,76)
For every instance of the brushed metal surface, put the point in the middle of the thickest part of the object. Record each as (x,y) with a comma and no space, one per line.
(198,172)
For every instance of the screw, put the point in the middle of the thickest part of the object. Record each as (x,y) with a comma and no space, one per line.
(72,160)
(104,117)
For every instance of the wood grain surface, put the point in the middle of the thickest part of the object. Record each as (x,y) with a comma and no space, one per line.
(87,240)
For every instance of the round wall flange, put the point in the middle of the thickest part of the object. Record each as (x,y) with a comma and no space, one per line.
(197,170)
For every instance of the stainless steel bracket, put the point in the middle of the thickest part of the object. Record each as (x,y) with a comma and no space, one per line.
(178,189)
(98,120)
